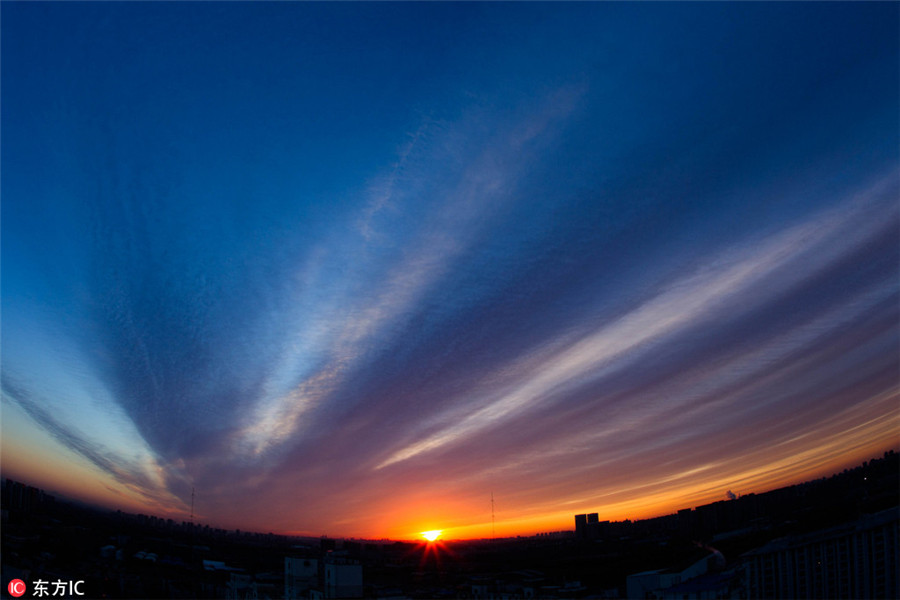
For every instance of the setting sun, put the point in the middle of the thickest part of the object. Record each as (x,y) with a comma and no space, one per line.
(431,535)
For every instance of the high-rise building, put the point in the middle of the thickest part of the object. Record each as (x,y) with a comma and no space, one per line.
(854,560)
(581,526)
(300,576)
(343,578)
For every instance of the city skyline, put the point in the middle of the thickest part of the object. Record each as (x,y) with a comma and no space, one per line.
(352,269)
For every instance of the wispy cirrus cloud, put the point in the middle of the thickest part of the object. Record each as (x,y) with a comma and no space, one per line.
(356,321)
(359,289)
(750,272)
(141,475)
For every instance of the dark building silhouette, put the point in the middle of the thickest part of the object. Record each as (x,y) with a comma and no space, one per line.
(21,497)
(590,527)
(854,560)
(581,526)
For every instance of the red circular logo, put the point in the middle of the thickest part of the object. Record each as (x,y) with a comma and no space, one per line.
(16,588)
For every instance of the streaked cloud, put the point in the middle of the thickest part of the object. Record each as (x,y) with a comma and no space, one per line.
(356,293)
(688,302)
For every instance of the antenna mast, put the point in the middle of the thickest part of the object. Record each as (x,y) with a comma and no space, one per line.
(493,531)
(192,506)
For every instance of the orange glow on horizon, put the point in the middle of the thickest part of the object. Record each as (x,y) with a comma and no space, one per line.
(704,487)
(36,458)
(647,500)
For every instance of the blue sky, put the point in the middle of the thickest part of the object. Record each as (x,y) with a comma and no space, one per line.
(349,268)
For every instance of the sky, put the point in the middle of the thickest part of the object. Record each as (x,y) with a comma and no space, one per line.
(352,269)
